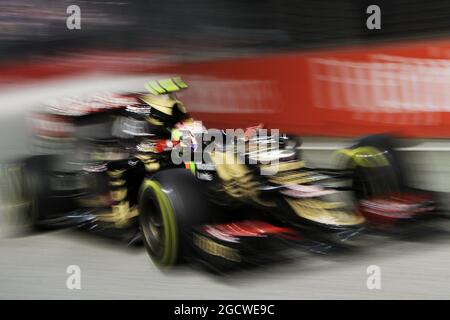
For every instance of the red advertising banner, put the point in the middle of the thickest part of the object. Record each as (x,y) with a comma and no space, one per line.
(404,89)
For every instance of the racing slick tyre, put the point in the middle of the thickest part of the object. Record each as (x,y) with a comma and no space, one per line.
(171,204)
(37,189)
(25,189)
(380,178)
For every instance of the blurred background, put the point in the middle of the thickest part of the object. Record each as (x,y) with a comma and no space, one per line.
(310,68)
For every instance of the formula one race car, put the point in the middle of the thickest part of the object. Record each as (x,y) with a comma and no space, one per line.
(136,166)
(246,202)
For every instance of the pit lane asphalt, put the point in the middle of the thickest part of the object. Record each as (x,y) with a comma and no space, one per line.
(35,266)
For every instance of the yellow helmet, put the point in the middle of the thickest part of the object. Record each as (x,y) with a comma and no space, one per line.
(165,106)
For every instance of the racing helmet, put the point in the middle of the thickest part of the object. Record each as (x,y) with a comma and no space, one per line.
(165,109)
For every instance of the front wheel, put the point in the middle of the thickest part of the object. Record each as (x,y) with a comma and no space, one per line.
(171,204)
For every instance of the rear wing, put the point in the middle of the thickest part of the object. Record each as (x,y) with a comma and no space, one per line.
(165,86)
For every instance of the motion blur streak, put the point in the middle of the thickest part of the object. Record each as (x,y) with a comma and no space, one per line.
(309,68)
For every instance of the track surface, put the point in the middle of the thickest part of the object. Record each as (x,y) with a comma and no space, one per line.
(35,266)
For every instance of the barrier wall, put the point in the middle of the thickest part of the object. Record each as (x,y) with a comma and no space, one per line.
(398,88)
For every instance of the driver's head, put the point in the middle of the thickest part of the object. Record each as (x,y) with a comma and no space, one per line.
(165,109)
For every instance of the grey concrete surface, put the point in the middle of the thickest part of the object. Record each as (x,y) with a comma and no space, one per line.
(35,267)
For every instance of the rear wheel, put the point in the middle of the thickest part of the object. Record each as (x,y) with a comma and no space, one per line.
(24,193)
